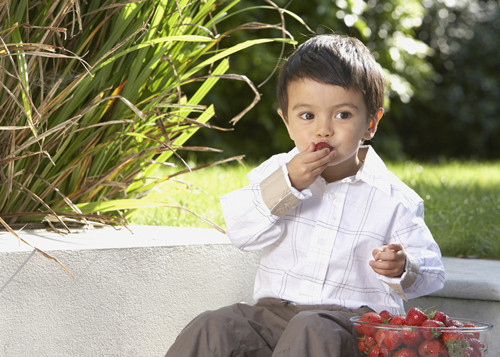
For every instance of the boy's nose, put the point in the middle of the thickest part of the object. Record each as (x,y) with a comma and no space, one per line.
(324,129)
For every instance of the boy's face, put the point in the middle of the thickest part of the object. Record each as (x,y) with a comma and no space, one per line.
(319,112)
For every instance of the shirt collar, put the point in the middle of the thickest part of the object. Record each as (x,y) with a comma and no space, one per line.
(373,171)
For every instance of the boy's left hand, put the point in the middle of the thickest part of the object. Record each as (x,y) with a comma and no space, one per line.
(389,260)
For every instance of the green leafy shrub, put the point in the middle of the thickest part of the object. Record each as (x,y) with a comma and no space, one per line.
(92,100)
(388,28)
(441,63)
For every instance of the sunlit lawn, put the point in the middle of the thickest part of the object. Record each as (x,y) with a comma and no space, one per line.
(462,204)
(462,201)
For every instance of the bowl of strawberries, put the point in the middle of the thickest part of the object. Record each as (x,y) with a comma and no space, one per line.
(420,334)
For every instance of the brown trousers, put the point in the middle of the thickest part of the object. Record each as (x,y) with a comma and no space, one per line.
(271,327)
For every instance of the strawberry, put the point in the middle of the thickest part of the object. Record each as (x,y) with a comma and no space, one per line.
(450,336)
(411,337)
(372,318)
(439,316)
(361,346)
(429,348)
(473,334)
(398,320)
(392,340)
(415,317)
(365,343)
(454,341)
(374,351)
(384,351)
(448,321)
(476,345)
(385,315)
(405,352)
(443,352)
(432,331)
(469,352)
(379,351)
(322,145)
(380,336)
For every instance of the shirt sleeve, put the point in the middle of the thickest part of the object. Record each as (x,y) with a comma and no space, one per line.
(253,214)
(424,270)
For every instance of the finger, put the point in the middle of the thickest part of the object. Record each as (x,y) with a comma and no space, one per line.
(395,246)
(309,156)
(376,252)
(322,159)
(386,268)
(311,147)
(389,255)
(385,253)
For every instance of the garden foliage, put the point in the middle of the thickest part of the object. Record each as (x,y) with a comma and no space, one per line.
(441,66)
(92,99)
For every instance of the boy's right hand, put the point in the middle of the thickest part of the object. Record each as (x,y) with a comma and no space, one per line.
(306,166)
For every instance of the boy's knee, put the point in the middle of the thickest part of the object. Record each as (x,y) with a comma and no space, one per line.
(316,333)
(306,318)
(306,323)
(319,323)
(209,321)
(223,332)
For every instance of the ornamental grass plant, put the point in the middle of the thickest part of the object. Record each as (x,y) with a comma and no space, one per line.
(92,100)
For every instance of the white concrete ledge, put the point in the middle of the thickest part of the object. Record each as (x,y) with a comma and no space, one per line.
(111,238)
(471,279)
(134,292)
(132,295)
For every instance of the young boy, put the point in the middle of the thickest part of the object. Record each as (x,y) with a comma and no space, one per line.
(340,235)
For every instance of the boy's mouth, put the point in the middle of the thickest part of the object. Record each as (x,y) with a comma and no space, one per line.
(322,145)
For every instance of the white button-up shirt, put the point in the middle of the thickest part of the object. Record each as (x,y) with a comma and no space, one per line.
(316,244)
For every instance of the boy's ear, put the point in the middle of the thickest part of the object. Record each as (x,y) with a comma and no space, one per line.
(372,126)
(283,117)
(280,112)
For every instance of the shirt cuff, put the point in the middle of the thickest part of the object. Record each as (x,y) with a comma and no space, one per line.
(406,280)
(278,193)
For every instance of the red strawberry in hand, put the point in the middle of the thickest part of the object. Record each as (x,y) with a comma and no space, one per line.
(322,145)
(415,317)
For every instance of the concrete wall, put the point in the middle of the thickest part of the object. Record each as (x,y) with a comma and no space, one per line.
(132,294)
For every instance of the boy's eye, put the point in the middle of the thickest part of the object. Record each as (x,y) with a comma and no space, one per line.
(307,116)
(343,115)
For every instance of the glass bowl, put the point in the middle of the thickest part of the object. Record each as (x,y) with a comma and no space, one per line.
(464,338)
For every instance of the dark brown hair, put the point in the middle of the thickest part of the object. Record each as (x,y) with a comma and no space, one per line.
(334,59)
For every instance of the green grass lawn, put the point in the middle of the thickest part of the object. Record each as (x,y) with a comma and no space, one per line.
(462,201)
